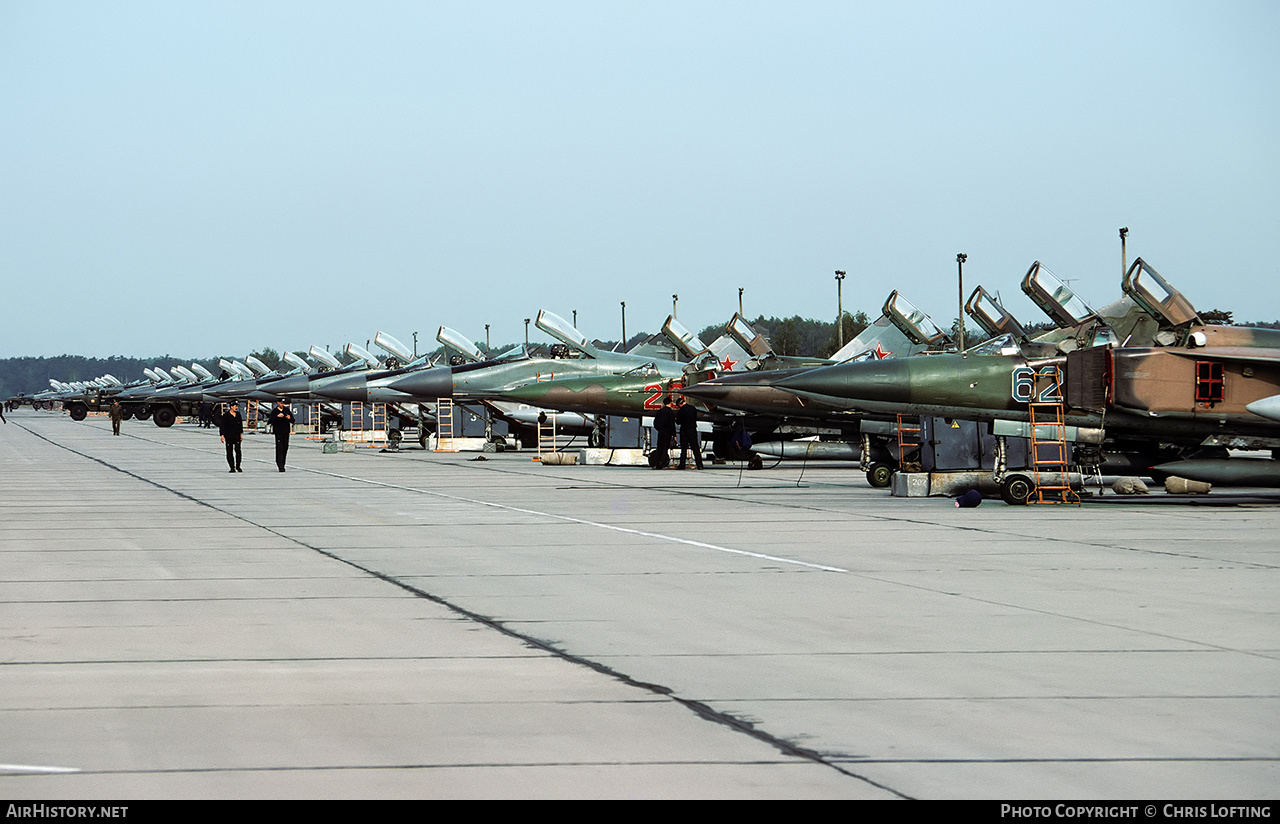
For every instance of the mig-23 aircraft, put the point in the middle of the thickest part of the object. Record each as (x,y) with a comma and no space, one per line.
(639,391)
(750,401)
(1193,385)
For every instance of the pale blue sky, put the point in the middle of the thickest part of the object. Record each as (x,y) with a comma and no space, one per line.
(201,178)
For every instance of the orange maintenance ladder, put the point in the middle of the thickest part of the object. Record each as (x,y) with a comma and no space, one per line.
(1049,440)
(908,425)
(444,426)
(546,434)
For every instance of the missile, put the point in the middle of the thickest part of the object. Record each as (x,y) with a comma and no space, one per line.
(810,450)
(1226,471)
(1266,407)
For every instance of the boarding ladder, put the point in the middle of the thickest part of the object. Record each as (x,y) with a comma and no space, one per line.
(909,436)
(356,416)
(444,426)
(546,434)
(251,414)
(378,430)
(314,423)
(1049,440)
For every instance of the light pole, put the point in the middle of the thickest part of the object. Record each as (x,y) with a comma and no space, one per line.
(415,345)
(675,299)
(486,339)
(624,324)
(575,318)
(739,301)
(526,331)
(1124,260)
(840,308)
(960,259)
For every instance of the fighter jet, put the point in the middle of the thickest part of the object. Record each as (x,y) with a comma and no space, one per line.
(369,384)
(486,379)
(753,403)
(901,330)
(638,392)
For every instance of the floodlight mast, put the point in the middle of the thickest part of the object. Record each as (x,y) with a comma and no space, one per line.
(840,273)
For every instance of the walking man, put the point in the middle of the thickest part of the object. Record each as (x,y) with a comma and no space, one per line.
(281,420)
(687,420)
(232,431)
(117,415)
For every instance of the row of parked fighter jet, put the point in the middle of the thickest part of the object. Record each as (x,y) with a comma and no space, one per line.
(1162,390)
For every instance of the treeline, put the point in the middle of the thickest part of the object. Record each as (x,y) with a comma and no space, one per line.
(799,336)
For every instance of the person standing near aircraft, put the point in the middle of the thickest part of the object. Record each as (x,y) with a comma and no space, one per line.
(232,432)
(664,425)
(281,420)
(687,420)
(117,414)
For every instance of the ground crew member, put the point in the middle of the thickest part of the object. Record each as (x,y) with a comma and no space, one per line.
(687,420)
(281,420)
(232,432)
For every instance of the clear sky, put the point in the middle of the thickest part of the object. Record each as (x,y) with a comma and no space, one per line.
(204,178)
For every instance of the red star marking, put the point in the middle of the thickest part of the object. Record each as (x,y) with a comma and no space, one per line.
(727,365)
(880,351)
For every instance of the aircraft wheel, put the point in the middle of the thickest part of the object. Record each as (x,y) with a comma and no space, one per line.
(880,475)
(78,411)
(394,436)
(165,416)
(1016,489)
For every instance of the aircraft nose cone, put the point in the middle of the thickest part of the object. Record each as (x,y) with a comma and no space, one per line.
(428,384)
(351,388)
(293,385)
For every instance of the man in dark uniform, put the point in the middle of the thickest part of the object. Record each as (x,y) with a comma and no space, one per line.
(664,425)
(232,430)
(117,414)
(281,420)
(687,420)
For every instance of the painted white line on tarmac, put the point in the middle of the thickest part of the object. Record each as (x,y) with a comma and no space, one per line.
(572,520)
